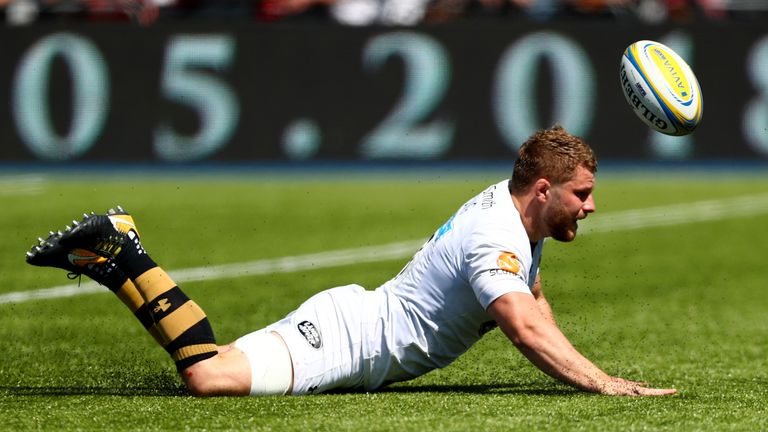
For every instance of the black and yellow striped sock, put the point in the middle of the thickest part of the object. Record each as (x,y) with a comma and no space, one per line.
(130,296)
(181,325)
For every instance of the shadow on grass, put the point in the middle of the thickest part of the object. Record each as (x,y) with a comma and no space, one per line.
(401,388)
(92,391)
(180,391)
(504,388)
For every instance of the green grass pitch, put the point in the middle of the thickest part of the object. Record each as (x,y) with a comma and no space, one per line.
(682,305)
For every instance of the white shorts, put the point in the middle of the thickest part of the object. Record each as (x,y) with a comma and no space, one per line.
(324,338)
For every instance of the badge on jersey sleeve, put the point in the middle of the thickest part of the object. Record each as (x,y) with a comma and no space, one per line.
(508,262)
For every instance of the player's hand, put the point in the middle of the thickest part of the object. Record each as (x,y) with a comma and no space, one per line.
(630,382)
(622,387)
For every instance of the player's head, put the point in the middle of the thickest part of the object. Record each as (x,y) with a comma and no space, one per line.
(553,154)
(557,171)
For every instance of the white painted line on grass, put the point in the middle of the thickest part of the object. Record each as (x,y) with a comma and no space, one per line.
(22,185)
(676,214)
(617,221)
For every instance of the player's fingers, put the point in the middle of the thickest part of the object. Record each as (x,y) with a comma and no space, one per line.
(645,391)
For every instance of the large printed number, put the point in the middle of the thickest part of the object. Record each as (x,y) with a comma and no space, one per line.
(211,98)
(90,96)
(514,100)
(427,74)
(666,146)
(755,122)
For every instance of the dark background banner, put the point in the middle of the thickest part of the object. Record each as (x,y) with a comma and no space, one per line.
(472,91)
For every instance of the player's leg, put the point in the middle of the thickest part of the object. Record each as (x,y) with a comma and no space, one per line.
(111,245)
(262,368)
(182,326)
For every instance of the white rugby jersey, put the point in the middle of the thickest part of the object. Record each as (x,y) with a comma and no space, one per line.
(435,309)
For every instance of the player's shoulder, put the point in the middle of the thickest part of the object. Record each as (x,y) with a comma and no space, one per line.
(493,209)
(492,200)
(495,219)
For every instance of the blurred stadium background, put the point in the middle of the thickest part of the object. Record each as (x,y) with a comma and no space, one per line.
(169,82)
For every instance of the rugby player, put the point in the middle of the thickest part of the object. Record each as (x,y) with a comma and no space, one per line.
(479,270)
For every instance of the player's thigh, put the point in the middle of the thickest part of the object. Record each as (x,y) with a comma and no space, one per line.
(324,339)
(271,369)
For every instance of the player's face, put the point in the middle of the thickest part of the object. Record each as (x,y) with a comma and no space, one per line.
(570,202)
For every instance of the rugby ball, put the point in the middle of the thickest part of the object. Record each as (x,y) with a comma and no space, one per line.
(661,88)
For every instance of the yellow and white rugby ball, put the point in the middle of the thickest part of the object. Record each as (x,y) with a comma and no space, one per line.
(661,88)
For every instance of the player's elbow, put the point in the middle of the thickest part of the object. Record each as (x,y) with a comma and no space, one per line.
(523,336)
(520,319)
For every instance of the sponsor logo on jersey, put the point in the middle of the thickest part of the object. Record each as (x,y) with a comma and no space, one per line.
(508,262)
(311,334)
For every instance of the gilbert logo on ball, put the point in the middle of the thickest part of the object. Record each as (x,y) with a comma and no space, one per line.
(661,88)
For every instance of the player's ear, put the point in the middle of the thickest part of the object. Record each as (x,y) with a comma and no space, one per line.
(541,189)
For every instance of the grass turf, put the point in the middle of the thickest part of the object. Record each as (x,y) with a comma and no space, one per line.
(680,305)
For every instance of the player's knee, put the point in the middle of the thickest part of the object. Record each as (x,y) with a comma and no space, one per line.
(225,374)
(202,379)
(198,382)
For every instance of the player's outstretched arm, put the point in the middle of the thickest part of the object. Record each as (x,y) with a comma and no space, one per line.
(542,342)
